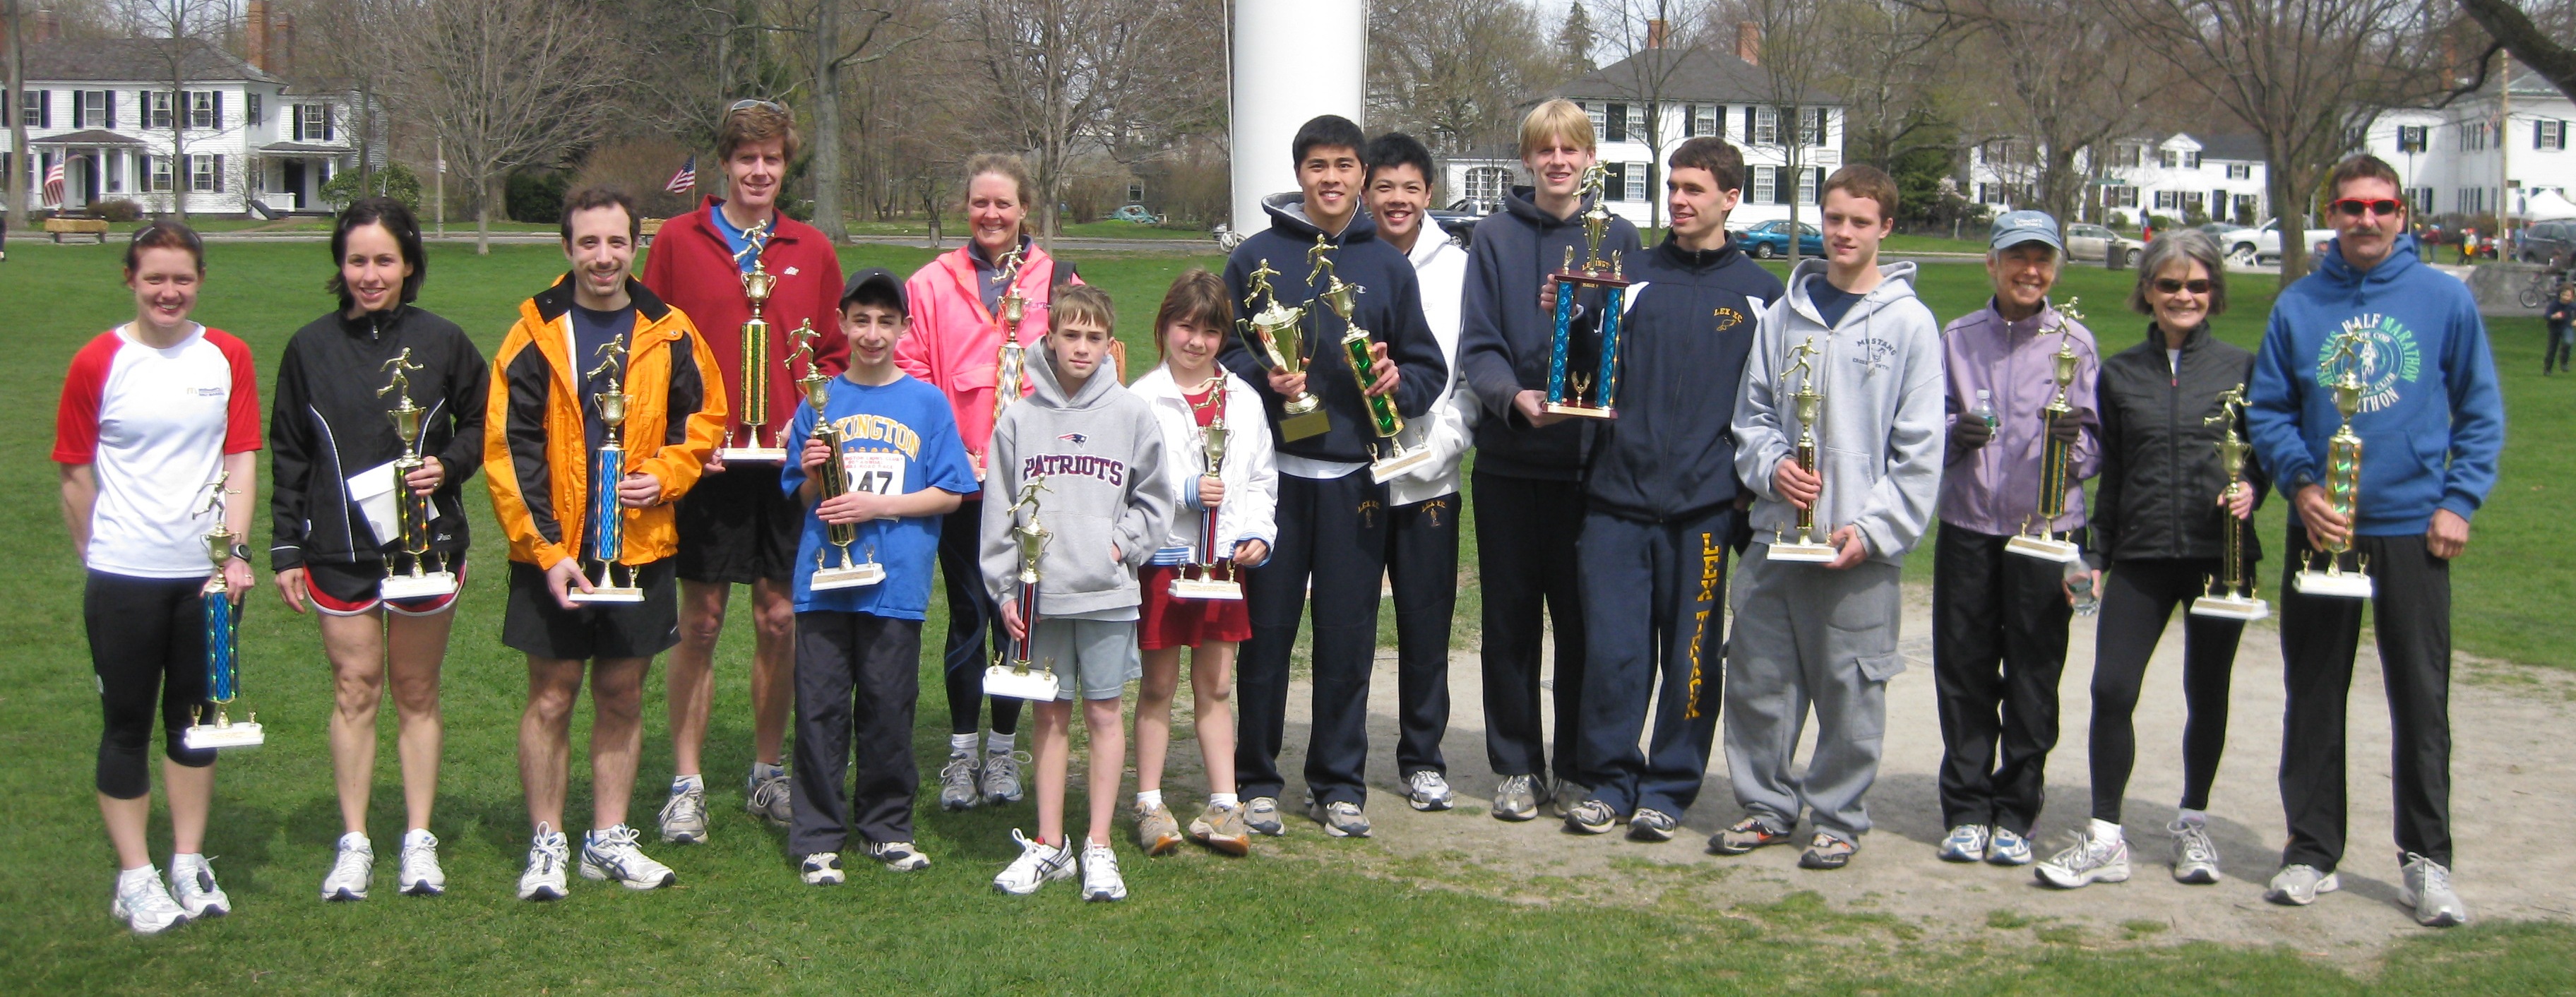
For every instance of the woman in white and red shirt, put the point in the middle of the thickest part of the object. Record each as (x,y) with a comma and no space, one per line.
(153,413)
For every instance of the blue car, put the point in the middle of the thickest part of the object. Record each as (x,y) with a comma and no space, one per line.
(1771,239)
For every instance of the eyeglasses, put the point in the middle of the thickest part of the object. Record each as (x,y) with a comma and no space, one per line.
(2168,285)
(752,102)
(2352,207)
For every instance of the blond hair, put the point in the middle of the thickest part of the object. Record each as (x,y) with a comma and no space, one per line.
(1556,119)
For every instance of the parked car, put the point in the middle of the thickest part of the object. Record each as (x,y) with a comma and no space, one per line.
(1135,213)
(2095,242)
(1459,219)
(1770,240)
(2253,245)
(2546,242)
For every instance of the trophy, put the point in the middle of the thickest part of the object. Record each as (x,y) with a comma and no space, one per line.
(756,286)
(1809,403)
(833,479)
(1275,330)
(1592,395)
(1213,579)
(1010,675)
(2038,537)
(1010,366)
(223,644)
(2343,475)
(1383,418)
(411,509)
(607,540)
(2234,596)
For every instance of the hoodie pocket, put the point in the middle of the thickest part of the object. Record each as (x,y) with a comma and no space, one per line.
(1077,560)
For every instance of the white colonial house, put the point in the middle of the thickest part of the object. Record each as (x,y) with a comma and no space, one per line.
(1701,93)
(2449,157)
(2176,176)
(245,141)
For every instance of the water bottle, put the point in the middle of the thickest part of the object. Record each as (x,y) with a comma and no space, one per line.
(1985,407)
(2079,581)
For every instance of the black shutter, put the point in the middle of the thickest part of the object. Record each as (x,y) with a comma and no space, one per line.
(108,97)
(1750,131)
(218,97)
(44,108)
(219,170)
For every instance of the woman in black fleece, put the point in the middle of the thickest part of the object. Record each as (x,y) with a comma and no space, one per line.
(330,426)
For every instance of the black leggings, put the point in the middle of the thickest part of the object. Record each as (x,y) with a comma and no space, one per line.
(147,641)
(2139,597)
(971,614)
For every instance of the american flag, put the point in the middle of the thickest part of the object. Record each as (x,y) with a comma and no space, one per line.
(54,184)
(686,180)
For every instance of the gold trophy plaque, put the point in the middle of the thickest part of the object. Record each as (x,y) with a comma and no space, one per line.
(1010,675)
(425,579)
(607,533)
(223,644)
(1275,331)
(1808,405)
(1213,573)
(2038,537)
(2343,478)
(1343,299)
(832,480)
(754,415)
(2233,597)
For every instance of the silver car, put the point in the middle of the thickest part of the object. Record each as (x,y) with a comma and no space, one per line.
(2094,242)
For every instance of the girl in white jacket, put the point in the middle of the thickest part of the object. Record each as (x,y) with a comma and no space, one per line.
(1190,394)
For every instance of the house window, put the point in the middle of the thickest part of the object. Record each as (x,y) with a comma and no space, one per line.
(2122,196)
(36,108)
(1615,123)
(2420,200)
(156,174)
(2167,200)
(1812,120)
(2128,155)
(1766,126)
(1485,184)
(1614,182)
(2007,152)
(313,122)
(1135,193)
(2167,159)
(1600,124)
(156,109)
(2549,135)
(2240,171)
(2191,160)
(250,109)
(1708,119)
(2473,137)
(206,174)
(204,111)
(89,109)
(2413,138)
(1636,175)
(1766,182)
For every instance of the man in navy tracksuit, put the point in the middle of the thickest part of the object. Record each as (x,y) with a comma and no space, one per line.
(1529,464)
(1661,494)
(1332,514)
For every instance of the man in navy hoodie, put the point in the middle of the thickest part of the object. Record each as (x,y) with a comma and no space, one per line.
(2432,424)
(1332,514)
(1661,494)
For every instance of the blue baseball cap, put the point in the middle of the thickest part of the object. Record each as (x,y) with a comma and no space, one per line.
(2017,227)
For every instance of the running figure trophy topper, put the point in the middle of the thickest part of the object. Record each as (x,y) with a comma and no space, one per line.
(223,643)
(607,540)
(1274,332)
(833,479)
(1214,579)
(1593,394)
(756,286)
(1806,403)
(1357,350)
(2234,596)
(2343,475)
(1011,364)
(2038,537)
(411,509)
(1009,675)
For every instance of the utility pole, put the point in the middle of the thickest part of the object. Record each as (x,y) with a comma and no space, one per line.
(439,200)
(2504,158)
(18,162)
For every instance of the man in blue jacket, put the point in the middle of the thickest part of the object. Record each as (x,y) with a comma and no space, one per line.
(2431,423)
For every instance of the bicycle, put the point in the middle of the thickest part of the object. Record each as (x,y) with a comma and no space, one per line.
(2542,288)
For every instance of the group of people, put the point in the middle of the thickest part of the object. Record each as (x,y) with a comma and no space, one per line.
(1300,439)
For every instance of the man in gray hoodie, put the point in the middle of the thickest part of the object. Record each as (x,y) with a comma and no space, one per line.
(1825,632)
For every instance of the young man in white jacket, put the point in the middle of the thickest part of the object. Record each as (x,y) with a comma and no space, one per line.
(1422,521)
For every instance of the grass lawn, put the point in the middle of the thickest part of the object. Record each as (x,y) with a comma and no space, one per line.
(1304,915)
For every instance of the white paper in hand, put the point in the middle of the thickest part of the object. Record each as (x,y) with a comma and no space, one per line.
(373,491)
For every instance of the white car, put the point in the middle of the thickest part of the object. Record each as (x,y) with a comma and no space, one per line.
(2252,245)
(2094,242)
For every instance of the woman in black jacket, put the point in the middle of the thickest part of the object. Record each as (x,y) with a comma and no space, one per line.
(333,445)
(2158,516)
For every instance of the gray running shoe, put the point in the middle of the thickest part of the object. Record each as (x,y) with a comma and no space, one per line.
(769,798)
(1563,796)
(1517,798)
(1650,824)
(2086,861)
(1002,777)
(2008,848)
(2195,856)
(1966,843)
(1222,829)
(1590,817)
(1427,790)
(957,782)
(684,818)
(1827,851)
(1157,831)
(1747,835)
(2298,885)
(2425,885)
(1261,816)
(1341,819)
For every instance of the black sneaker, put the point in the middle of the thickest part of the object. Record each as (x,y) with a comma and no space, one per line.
(1827,851)
(1747,835)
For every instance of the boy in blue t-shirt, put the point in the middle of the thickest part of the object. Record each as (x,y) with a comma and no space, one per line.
(863,644)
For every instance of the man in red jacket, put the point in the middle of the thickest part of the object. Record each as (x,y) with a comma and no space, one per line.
(736,526)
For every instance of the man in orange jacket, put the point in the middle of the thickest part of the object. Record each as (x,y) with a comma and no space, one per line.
(597,331)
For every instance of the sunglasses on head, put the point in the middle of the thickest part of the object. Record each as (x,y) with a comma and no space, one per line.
(2352,207)
(2169,285)
(752,102)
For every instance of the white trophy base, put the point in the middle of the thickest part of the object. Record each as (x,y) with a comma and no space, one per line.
(1403,461)
(201,737)
(2230,607)
(1012,683)
(397,588)
(854,576)
(1803,553)
(752,455)
(608,595)
(1206,588)
(1580,411)
(2045,548)
(2341,585)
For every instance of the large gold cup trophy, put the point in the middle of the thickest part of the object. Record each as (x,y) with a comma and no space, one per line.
(412,514)
(1808,404)
(754,399)
(2343,476)
(2038,537)
(2232,595)
(1275,333)
(1010,674)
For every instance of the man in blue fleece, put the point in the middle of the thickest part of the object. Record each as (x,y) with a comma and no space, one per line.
(2431,423)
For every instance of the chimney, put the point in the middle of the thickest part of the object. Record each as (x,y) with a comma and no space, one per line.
(255,32)
(47,28)
(281,45)
(1748,42)
(1657,32)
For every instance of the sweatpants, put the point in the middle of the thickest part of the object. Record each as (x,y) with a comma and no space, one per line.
(2554,354)
(147,645)
(1334,531)
(1998,648)
(1525,562)
(2138,597)
(1805,633)
(857,677)
(2411,611)
(1650,596)
(971,617)
(1422,567)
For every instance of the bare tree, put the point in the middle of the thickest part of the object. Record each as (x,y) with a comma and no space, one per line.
(186,27)
(1898,82)
(2069,86)
(18,162)
(1064,76)
(2533,36)
(1658,37)
(505,84)
(1456,81)
(867,36)
(1796,58)
(355,41)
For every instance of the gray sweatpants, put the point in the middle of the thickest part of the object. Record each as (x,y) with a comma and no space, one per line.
(1807,634)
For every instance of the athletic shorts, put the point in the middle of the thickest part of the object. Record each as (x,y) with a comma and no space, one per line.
(738,527)
(1097,657)
(1164,622)
(534,623)
(350,590)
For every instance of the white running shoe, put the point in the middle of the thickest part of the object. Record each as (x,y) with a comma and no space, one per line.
(1039,863)
(192,884)
(421,876)
(1100,880)
(2088,860)
(1002,776)
(2195,856)
(2425,887)
(821,869)
(144,904)
(2008,848)
(1965,843)
(2297,885)
(898,856)
(611,854)
(353,869)
(684,818)
(1426,790)
(548,853)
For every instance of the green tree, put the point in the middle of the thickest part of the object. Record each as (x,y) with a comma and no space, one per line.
(395,181)
(1574,41)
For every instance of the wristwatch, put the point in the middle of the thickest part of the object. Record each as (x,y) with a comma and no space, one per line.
(241,552)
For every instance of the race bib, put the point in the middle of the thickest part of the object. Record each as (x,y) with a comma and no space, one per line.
(876,472)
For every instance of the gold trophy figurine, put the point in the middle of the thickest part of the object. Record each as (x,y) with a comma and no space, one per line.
(1343,299)
(754,399)
(1011,364)
(607,533)
(411,509)
(1010,675)
(1808,404)
(2038,537)
(1276,331)
(832,480)
(2234,596)
(2343,477)
(1213,579)
(223,642)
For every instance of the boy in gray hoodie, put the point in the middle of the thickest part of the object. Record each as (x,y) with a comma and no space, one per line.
(1097,454)
(1825,632)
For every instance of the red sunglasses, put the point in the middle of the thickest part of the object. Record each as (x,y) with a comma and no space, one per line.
(2352,207)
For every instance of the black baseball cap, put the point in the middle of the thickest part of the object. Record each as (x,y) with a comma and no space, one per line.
(880,277)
